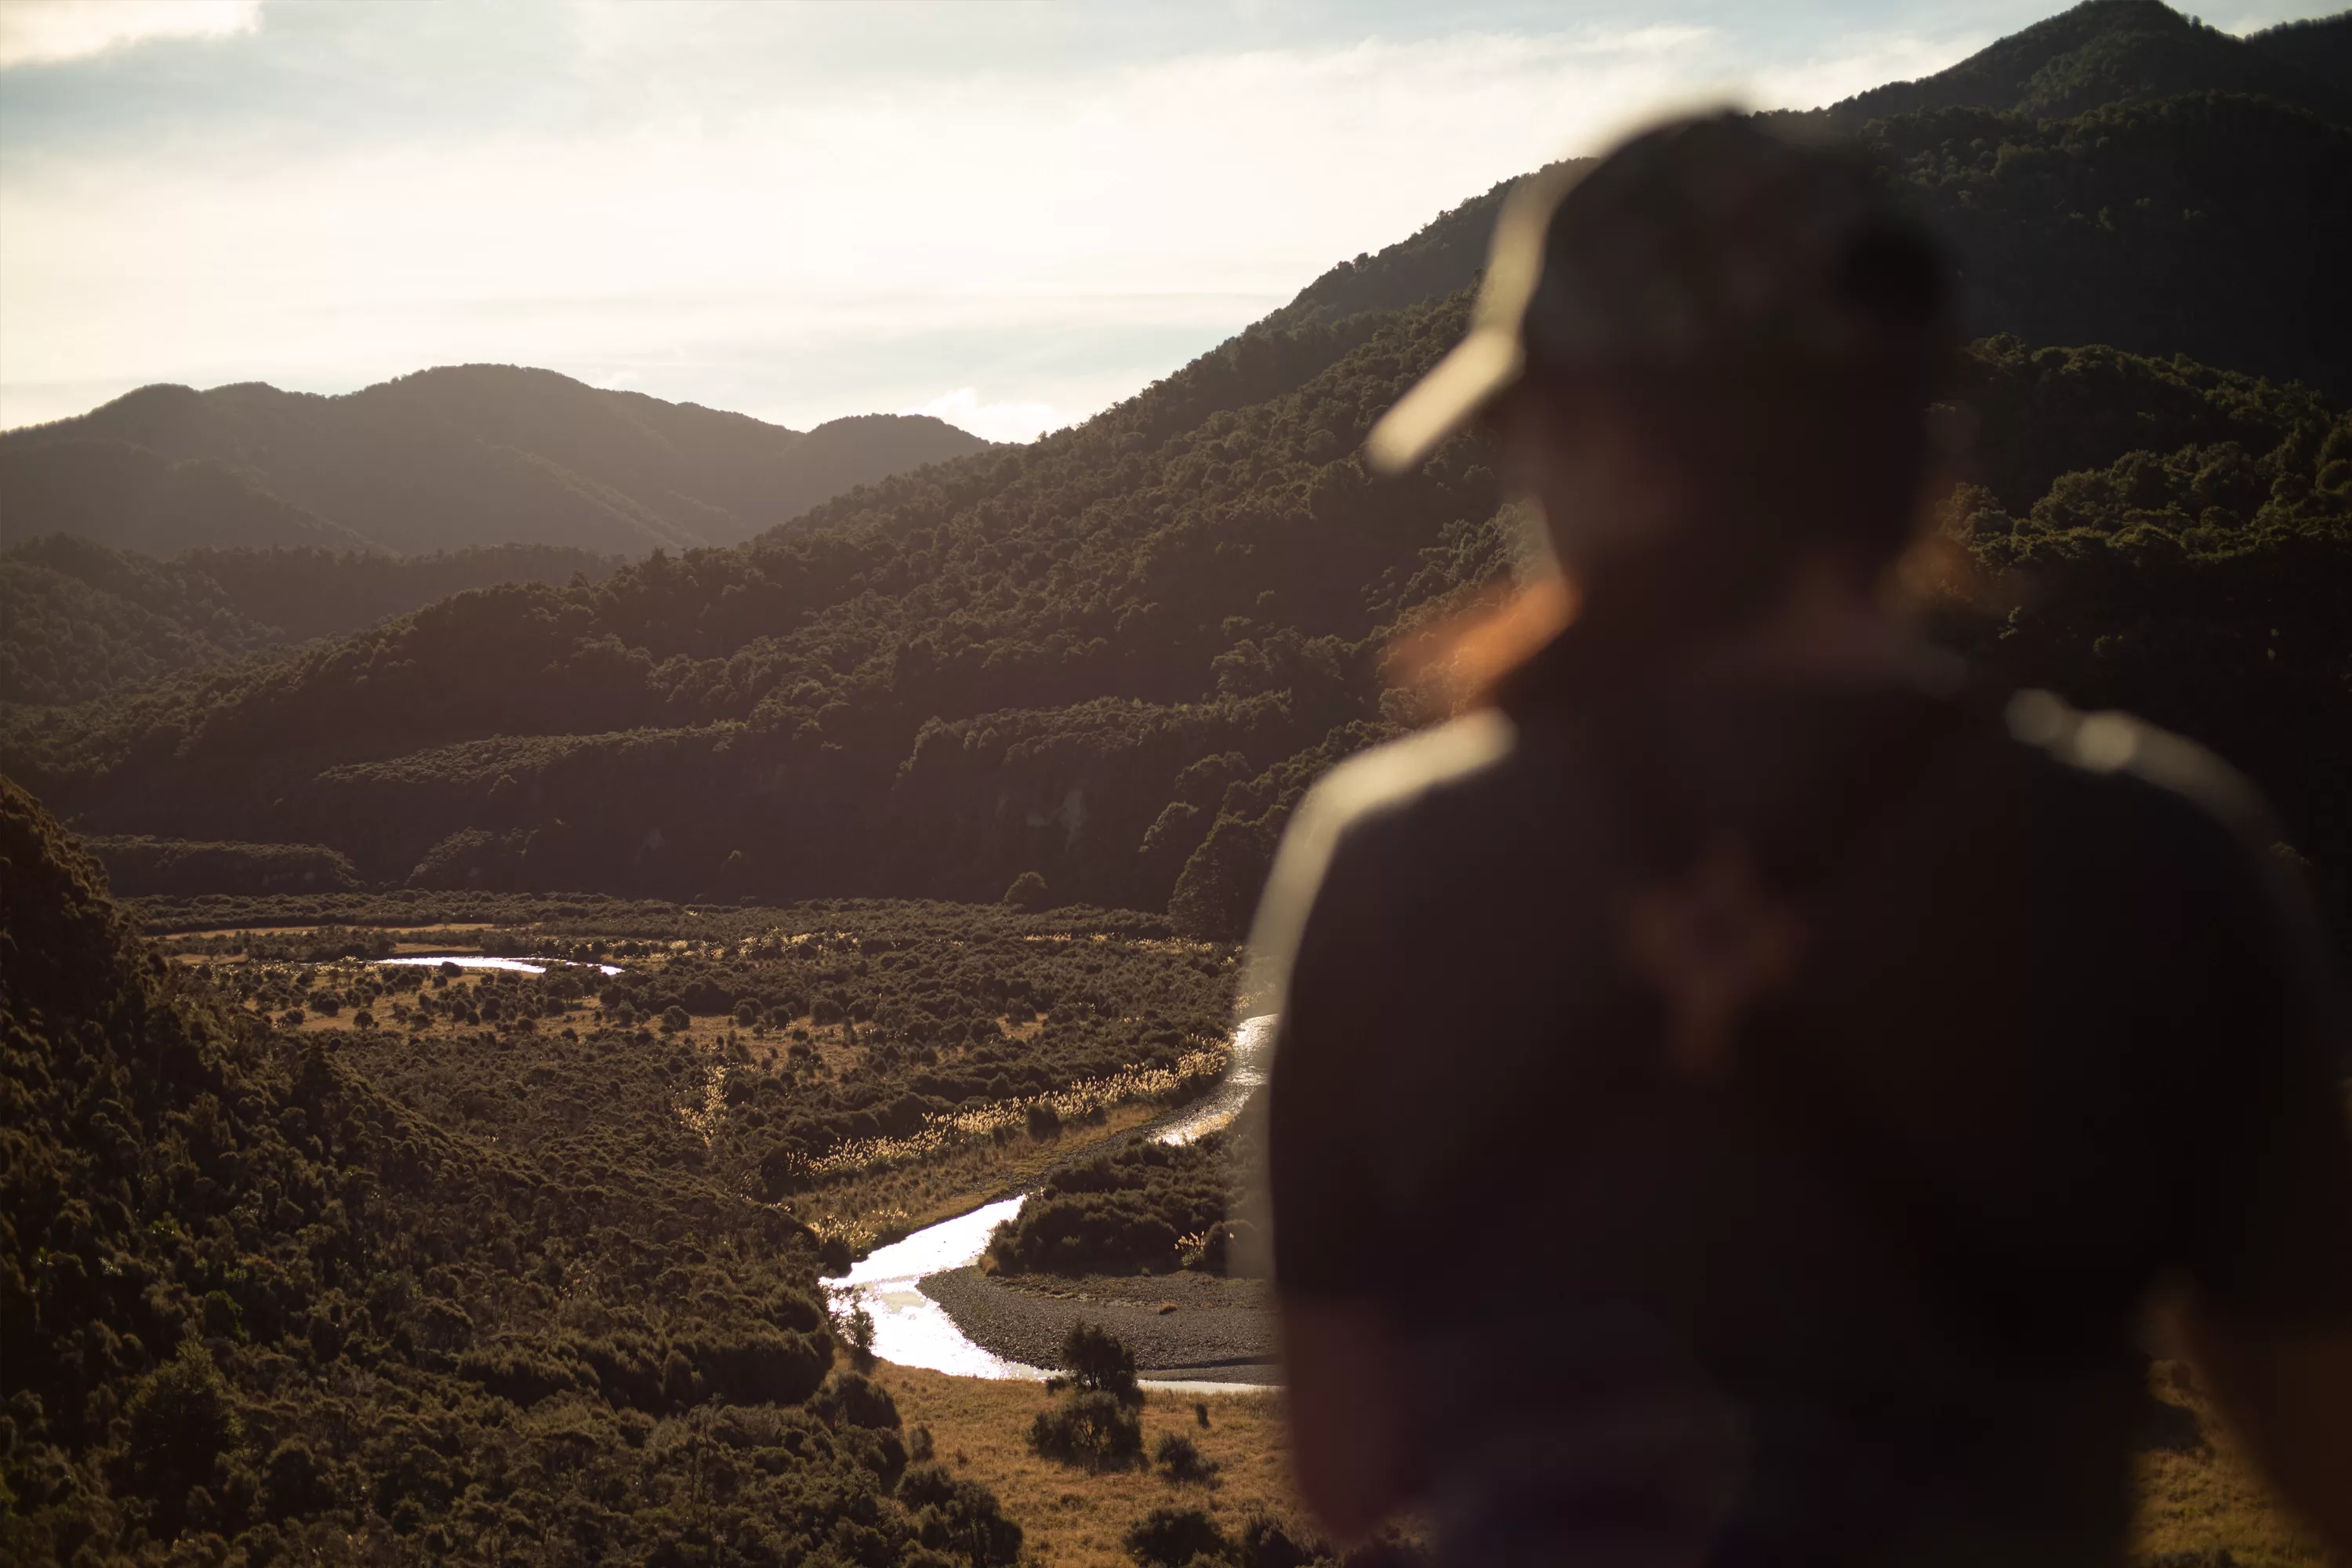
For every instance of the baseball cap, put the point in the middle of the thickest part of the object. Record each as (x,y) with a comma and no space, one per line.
(1703,242)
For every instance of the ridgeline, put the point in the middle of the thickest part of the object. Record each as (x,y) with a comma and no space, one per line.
(1117,657)
(442,459)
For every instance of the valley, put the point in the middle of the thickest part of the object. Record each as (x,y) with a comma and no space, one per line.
(518,894)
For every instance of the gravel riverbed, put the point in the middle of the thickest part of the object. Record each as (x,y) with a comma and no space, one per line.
(1217,1331)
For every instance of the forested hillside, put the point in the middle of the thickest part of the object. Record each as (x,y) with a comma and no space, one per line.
(1115,658)
(79,620)
(2205,225)
(2125,51)
(139,500)
(442,459)
(2321,46)
(254,1302)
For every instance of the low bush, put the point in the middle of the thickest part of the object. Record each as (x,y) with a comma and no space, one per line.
(1177,1537)
(958,1518)
(1098,1360)
(1117,1213)
(1089,1428)
(1179,1461)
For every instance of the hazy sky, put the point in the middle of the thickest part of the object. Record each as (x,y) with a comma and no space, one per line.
(1011,214)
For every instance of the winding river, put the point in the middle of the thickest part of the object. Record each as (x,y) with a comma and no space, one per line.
(913,1330)
(485,960)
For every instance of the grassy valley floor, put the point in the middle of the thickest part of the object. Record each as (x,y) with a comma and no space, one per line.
(597,1076)
(1069,1516)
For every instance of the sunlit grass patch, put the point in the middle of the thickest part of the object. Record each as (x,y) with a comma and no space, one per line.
(2200,1491)
(870,1208)
(980,1429)
(1003,1119)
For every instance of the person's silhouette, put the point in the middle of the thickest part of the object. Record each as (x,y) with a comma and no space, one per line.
(1739,1089)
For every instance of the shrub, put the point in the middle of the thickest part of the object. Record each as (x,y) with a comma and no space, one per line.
(522,1368)
(1091,1428)
(851,1399)
(1176,1537)
(1179,1461)
(1099,1361)
(1116,1213)
(960,1519)
(181,1419)
(295,1483)
(861,1335)
(1270,1542)
(1028,892)
(757,1364)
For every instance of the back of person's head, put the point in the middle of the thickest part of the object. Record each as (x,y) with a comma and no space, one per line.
(1754,308)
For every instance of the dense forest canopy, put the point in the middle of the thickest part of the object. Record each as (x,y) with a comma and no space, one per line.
(254,1299)
(2127,51)
(79,620)
(439,461)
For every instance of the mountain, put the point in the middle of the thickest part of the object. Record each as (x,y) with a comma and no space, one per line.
(136,498)
(2321,47)
(2121,51)
(442,459)
(79,620)
(2207,225)
(1116,657)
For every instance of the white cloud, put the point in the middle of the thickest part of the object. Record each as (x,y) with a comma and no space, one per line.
(37,32)
(995,421)
(834,249)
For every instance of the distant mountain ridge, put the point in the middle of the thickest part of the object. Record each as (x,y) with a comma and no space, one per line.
(442,459)
(1118,655)
(78,619)
(2117,51)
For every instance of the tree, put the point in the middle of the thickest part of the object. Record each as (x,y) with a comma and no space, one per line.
(1099,1360)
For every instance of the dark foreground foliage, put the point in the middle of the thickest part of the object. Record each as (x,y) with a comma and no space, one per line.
(255,1308)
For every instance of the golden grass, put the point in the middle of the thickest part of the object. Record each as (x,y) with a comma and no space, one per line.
(873,1208)
(2201,1498)
(2209,1496)
(944,1132)
(980,1429)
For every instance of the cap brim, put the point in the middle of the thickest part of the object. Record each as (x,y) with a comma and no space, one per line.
(1441,403)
